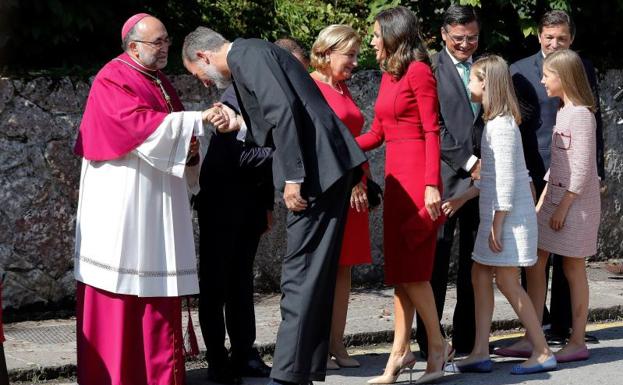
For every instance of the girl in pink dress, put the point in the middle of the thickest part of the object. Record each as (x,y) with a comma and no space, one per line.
(334,56)
(568,211)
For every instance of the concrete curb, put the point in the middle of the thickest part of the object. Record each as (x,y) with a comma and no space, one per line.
(614,313)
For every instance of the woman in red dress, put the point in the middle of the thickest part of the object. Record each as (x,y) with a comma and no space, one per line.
(334,56)
(406,119)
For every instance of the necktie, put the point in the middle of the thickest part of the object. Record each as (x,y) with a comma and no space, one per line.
(466,68)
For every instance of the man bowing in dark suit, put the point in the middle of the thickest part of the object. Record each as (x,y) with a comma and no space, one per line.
(314,163)
(461,128)
(538,114)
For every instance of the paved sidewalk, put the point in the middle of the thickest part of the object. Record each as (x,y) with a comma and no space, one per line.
(46,349)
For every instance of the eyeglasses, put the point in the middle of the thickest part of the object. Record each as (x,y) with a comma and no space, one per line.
(159,43)
(470,39)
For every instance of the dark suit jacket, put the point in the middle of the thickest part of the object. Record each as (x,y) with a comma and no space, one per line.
(460,129)
(236,179)
(279,100)
(538,115)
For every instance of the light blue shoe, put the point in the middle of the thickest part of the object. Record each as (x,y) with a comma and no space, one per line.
(546,366)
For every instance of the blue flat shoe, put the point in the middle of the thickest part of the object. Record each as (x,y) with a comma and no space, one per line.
(549,364)
(484,366)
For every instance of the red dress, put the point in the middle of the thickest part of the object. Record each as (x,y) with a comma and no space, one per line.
(356,243)
(407,119)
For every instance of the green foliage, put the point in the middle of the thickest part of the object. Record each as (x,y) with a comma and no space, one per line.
(74,36)
(239,18)
(526,11)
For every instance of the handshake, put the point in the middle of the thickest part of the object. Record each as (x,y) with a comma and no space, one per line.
(223,118)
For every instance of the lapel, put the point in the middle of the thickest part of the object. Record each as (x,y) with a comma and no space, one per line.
(450,73)
(453,81)
(538,64)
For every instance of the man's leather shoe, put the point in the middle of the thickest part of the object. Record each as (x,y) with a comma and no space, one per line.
(222,374)
(555,339)
(254,367)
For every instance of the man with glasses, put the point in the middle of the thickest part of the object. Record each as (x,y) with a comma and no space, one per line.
(461,128)
(135,254)
(538,114)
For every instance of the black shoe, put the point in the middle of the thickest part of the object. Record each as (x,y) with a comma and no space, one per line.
(280,382)
(555,339)
(222,373)
(590,339)
(254,367)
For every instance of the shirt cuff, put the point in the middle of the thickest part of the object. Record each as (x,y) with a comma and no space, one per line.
(198,129)
(470,163)
(242,134)
(295,181)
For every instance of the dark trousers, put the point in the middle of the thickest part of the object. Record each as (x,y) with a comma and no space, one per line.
(227,253)
(307,285)
(463,321)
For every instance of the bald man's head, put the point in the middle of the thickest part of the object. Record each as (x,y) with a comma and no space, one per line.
(148,43)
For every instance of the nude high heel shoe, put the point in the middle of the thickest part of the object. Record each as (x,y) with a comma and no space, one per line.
(394,368)
(344,360)
(448,356)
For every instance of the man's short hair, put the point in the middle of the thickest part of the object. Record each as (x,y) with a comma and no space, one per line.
(556,18)
(293,46)
(201,39)
(131,35)
(460,14)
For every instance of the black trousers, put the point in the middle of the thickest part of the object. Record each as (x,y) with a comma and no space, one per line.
(308,277)
(227,253)
(463,321)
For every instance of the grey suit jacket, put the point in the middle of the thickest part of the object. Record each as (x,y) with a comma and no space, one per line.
(460,129)
(282,105)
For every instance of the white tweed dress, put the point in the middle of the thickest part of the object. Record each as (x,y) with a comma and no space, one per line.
(505,185)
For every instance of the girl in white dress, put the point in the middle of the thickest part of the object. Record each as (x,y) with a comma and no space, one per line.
(507,233)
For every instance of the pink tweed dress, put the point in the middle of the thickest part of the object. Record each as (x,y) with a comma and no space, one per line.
(573,168)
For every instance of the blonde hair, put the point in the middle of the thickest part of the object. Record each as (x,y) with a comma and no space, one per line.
(334,38)
(499,98)
(568,66)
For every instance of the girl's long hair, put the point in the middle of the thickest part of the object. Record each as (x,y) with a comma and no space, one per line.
(569,68)
(499,98)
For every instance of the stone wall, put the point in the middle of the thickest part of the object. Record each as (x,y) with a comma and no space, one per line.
(39,180)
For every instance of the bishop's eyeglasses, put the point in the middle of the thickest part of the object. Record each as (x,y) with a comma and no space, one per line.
(159,43)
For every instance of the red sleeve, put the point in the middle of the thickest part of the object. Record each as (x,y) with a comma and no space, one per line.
(423,84)
(373,138)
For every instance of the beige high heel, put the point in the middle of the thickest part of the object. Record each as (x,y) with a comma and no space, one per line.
(332,365)
(346,362)
(393,370)
(448,356)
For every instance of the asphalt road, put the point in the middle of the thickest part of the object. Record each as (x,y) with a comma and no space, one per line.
(605,366)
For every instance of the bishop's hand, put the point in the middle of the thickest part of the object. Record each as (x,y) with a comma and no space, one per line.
(216,117)
(235,120)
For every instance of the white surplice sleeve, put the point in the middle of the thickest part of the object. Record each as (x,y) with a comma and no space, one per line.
(167,147)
